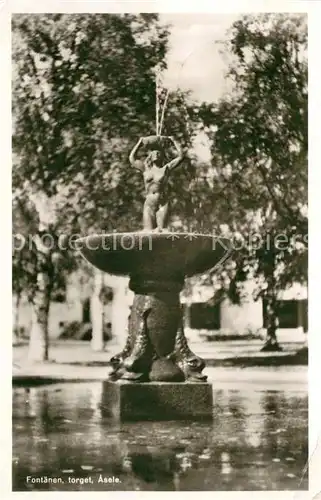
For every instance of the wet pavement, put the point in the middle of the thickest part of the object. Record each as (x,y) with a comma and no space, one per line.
(258,440)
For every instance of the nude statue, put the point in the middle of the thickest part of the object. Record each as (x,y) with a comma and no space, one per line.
(156,174)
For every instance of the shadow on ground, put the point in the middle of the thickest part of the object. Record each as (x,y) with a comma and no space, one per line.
(298,358)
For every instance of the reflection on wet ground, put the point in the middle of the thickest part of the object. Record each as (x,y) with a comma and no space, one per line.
(258,440)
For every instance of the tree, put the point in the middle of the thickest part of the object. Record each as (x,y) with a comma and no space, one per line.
(67,104)
(23,262)
(259,135)
(83,91)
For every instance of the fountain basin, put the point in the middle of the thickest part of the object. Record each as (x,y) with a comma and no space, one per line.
(156,255)
(58,429)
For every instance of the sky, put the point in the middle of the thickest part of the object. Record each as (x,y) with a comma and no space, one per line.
(195,61)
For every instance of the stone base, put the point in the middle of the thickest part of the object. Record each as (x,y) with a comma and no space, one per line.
(157,401)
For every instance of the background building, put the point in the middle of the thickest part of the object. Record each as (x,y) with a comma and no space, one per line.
(207,313)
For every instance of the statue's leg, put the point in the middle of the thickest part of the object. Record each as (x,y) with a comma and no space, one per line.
(162,216)
(149,216)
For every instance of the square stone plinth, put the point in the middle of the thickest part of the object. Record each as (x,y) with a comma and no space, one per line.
(157,400)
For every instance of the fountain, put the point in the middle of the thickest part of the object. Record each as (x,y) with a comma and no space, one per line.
(156,375)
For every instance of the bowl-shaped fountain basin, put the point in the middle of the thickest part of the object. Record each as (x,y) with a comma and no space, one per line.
(161,254)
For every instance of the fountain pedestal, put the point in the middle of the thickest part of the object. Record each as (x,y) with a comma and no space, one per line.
(156,375)
(156,349)
(157,401)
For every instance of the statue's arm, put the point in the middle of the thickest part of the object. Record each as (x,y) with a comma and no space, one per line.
(179,158)
(132,157)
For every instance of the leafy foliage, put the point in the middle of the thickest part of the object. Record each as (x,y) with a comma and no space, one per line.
(83,92)
(259,136)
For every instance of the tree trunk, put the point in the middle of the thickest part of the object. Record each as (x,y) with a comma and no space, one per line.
(16,333)
(271,343)
(303,353)
(97,313)
(40,303)
(120,311)
(39,335)
(187,315)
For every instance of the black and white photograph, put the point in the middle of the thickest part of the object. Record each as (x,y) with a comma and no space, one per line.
(160,334)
